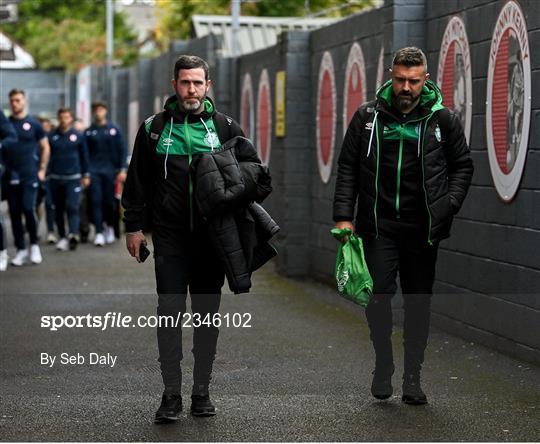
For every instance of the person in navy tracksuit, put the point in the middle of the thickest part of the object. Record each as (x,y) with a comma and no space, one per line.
(107,154)
(44,193)
(8,136)
(68,174)
(26,163)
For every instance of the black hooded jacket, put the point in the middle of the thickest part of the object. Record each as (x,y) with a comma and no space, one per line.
(436,184)
(158,193)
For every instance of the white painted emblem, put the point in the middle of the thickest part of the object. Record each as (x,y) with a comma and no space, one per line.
(26,126)
(112,132)
(73,137)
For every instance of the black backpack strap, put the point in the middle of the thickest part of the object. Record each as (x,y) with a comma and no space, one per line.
(156,128)
(224,127)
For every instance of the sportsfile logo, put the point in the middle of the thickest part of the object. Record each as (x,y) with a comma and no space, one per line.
(119,320)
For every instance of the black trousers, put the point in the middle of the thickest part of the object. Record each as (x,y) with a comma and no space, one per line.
(198,271)
(22,201)
(400,247)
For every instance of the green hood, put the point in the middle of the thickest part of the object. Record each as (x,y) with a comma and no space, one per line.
(431,95)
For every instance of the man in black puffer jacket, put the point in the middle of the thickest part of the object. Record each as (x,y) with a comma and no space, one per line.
(406,165)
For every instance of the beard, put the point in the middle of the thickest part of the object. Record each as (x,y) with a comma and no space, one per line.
(192,103)
(403,101)
(191,106)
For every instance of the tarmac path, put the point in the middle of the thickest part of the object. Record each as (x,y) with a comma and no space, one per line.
(301,372)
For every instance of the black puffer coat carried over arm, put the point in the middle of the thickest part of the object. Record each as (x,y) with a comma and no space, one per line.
(228,182)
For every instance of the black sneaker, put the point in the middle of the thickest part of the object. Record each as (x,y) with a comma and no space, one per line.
(381,386)
(412,392)
(202,406)
(200,401)
(73,242)
(170,408)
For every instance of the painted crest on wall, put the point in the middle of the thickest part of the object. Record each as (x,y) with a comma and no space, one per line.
(454,72)
(508,104)
(355,84)
(380,70)
(264,118)
(247,111)
(326,116)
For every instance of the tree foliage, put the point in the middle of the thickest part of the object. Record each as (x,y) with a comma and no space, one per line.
(300,8)
(174,16)
(70,33)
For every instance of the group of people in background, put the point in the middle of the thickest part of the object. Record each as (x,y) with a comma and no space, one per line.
(76,173)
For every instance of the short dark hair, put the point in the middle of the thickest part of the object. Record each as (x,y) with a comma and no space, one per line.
(16,91)
(410,56)
(64,110)
(191,62)
(98,105)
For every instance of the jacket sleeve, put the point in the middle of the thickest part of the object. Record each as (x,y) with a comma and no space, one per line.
(346,190)
(256,176)
(137,188)
(459,163)
(236,130)
(83,156)
(8,136)
(121,149)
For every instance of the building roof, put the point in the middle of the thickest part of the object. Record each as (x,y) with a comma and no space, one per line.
(255,33)
(13,56)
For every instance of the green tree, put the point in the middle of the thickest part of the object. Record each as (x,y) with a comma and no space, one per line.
(70,33)
(300,8)
(174,16)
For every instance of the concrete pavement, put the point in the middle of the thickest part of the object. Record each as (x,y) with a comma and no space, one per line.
(301,372)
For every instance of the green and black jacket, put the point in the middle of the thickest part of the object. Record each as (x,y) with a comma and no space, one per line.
(158,193)
(414,167)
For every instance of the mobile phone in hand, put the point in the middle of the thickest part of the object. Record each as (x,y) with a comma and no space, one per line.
(144,252)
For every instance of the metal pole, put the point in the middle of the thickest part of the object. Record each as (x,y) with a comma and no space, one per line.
(109,50)
(235,12)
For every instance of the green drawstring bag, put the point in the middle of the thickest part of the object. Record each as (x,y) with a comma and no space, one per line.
(352,275)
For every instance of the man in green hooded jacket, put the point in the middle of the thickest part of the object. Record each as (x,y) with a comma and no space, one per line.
(406,166)
(158,197)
